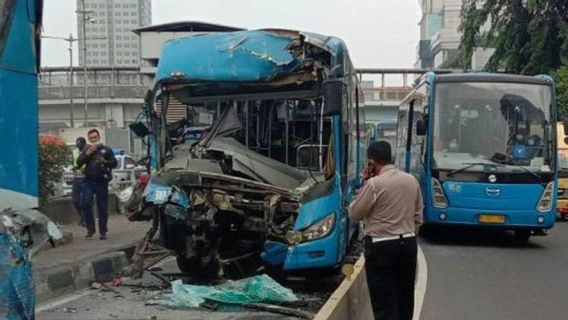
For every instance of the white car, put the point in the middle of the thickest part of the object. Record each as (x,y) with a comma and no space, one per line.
(125,174)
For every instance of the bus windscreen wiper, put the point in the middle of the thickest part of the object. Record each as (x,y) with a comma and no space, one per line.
(472,164)
(510,163)
(506,161)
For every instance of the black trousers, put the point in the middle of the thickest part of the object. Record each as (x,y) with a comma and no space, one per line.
(391,270)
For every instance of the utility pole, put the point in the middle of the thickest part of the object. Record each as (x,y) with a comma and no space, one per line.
(85,17)
(70,40)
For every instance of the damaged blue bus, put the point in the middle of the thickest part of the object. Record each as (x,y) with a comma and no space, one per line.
(20,25)
(268,182)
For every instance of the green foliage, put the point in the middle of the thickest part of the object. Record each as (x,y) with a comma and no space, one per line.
(529,37)
(561,77)
(52,160)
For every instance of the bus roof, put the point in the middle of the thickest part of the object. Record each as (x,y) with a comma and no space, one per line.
(493,77)
(268,54)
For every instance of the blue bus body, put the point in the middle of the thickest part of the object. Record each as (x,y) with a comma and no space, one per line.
(295,158)
(20,23)
(483,147)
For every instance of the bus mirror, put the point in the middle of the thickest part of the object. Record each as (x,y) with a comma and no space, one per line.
(139,129)
(333,96)
(421,126)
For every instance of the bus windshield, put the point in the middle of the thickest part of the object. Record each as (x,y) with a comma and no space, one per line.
(504,127)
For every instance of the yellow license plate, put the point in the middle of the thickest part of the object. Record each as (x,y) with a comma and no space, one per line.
(491,218)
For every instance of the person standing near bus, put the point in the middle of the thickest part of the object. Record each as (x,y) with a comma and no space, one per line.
(99,161)
(78,178)
(390,205)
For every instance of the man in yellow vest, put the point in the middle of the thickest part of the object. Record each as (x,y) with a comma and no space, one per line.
(78,178)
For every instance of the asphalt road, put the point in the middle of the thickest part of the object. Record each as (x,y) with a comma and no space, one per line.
(486,275)
(135,301)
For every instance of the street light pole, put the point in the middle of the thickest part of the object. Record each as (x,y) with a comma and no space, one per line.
(71,106)
(85,17)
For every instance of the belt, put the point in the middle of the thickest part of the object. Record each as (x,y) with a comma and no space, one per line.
(400,236)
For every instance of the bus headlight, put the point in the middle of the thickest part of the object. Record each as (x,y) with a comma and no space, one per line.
(319,229)
(439,199)
(545,202)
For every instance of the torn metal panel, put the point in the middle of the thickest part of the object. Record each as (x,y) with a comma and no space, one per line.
(221,57)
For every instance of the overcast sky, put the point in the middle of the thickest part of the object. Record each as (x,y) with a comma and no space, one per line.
(378,33)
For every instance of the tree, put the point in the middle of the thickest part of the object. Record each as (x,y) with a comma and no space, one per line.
(561,77)
(529,36)
(52,160)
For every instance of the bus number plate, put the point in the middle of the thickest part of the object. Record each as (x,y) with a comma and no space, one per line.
(492,218)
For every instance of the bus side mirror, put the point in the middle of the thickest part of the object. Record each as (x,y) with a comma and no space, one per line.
(333,96)
(421,126)
(139,129)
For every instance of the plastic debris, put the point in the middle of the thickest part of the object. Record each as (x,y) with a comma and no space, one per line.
(17,298)
(261,288)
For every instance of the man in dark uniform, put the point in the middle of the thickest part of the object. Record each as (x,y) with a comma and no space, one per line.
(390,205)
(99,161)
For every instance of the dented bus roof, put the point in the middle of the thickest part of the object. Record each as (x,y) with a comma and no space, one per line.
(244,56)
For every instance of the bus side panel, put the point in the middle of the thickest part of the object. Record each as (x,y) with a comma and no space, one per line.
(18,136)
(328,251)
(18,111)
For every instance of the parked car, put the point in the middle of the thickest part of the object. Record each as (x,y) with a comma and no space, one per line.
(125,174)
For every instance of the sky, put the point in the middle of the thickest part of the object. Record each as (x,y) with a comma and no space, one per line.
(378,33)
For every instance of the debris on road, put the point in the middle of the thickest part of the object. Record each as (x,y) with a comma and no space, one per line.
(279,309)
(256,289)
(22,234)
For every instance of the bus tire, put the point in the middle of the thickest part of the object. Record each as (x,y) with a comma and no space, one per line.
(194,266)
(522,235)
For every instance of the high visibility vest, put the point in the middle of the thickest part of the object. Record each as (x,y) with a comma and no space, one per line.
(79,171)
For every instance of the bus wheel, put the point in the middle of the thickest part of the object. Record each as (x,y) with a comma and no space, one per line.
(195,266)
(522,235)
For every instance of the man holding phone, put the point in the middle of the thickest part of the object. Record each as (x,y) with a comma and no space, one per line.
(390,205)
(99,161)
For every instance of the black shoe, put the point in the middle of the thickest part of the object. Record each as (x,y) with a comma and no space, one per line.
(90,234)
(103,236)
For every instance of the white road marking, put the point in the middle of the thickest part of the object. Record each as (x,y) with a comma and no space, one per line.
(421,281)
(62,301)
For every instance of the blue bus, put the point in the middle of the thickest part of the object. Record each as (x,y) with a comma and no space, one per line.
(20,26)
(268,182)
(483,147)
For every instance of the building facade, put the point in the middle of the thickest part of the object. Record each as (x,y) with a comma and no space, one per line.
(108,33)
(439,32)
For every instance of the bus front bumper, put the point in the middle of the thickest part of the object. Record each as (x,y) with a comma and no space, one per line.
(506,219)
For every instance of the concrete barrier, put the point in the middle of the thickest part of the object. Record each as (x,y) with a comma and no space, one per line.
(61,209)
(351,299)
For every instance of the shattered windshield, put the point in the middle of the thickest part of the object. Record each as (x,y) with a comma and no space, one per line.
(282,142)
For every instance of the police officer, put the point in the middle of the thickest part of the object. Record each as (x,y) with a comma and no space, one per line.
(99,161)
(78,178)
(390,205)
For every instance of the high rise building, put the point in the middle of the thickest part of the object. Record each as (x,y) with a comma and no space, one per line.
(439,34)
(108,31)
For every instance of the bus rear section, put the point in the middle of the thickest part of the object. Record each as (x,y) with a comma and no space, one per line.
(562,204)
(486,151)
